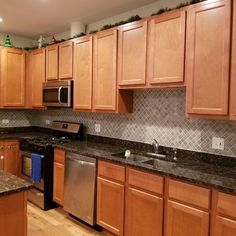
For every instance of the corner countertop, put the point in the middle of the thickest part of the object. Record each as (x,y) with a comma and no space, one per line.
(10,184)
(198,172)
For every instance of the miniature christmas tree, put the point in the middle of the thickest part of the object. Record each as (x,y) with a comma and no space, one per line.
(8,41)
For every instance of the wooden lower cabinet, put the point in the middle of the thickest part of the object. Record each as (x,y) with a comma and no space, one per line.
(143,213)
(58,176)
(225,227)
(183,220)
(110,205)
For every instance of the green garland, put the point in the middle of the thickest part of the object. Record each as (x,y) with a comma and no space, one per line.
(109,26)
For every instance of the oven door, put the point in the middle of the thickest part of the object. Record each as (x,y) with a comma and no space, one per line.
(27,167)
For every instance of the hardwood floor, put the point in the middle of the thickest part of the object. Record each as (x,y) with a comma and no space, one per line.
(56,222)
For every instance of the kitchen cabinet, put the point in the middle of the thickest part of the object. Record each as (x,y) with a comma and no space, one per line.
(58,176)
(207,58)
(66,60)
(59,60)
(9,153)
(38,70)
(110,197)
(83,73)
(223,214)
(52,62)
(187,210)
(12,78)
(143,204)
(132,54)
(166,48)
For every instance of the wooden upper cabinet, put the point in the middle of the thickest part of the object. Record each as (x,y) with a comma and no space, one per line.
(132,53)
(83,72)
(233,68)
(38,70)
(183,220)
(208,54)
(105,65)
(52,62)
(13,77)
(166,48)
(66,60)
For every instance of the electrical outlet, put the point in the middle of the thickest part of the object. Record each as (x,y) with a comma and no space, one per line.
(218,143)
(48,122)
(97,128)
(5,121)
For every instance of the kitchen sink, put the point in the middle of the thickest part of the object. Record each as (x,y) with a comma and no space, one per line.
(155,163)
(132,157)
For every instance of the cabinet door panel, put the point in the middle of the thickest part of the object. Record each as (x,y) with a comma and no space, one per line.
(105,59)
(167,48)
(110,205)
(13,77)
(184,221)
(83,63)
(225,227)
(58,183)
(11,155)
(65,60)
(38,76)
(132,54)
(143,213)
(52,62)
(207,63)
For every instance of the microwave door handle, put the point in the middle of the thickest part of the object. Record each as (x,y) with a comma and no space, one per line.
(59,94)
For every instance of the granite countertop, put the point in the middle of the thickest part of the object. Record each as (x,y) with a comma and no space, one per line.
(195,171)
(10,184)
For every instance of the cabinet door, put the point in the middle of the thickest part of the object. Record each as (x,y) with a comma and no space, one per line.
(105,59)
(224,227)
(184,221)
(166,48)
(83,66)
(58,183)
(110,205)
(132,54)
(65,60)
(11,155)
(143,213)
(208,53)
(38,64)
(13,77)
(52,62)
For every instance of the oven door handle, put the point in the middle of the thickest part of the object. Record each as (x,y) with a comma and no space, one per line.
(59,94)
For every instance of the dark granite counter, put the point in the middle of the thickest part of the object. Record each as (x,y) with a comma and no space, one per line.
(212,175)
(10,184)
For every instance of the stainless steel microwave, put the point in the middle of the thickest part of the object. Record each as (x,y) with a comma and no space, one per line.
(58,93)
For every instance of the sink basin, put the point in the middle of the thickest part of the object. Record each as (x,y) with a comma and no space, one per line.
(156,155)
(132,157)
(155,163)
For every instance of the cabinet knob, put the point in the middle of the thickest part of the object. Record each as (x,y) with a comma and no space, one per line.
(2,157)
(1,147)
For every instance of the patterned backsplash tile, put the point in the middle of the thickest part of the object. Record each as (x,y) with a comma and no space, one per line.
(158,114)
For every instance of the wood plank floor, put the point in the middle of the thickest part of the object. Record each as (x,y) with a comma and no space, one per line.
(56,222)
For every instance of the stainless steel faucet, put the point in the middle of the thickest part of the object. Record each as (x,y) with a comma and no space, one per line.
(155,145)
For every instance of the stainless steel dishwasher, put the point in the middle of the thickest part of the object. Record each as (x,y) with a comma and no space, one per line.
(79,192)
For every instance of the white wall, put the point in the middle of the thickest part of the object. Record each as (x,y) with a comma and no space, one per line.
(18,41)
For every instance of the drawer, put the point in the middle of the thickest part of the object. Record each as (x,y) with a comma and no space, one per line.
(111,171)
(59,156)
(226,204)
(145,181)
(190,194)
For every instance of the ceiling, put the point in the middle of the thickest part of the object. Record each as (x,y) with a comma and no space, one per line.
(30,18)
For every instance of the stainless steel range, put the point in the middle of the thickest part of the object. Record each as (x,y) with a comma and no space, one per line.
(62,132)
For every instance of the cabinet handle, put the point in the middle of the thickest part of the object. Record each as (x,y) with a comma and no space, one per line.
(2,157)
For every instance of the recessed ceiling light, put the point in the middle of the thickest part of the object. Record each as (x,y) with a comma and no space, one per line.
(1,20)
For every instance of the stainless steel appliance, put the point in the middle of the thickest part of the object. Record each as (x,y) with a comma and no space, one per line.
(62,132)
(58,93)
(79,190)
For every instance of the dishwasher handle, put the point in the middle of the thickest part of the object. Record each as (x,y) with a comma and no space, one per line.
(80,161)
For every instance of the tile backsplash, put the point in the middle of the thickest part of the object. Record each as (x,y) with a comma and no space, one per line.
(158,114)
